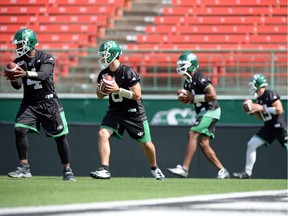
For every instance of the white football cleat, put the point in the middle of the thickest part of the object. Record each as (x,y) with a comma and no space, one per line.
(178,171)
(158,174)
(100,173)
(223,174)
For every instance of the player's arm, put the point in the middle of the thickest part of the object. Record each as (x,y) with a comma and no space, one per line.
(45,71)
(187,97)
(133,93)
(136,92)
(210,93)
(275,109)
(17,83)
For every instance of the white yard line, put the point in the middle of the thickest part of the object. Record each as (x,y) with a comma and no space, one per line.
(183,206)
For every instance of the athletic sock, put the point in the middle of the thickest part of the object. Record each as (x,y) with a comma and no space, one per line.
(105,167)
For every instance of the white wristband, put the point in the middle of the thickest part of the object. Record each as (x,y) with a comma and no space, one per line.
(271,110)
(32,74)
(199,98)
(125,93)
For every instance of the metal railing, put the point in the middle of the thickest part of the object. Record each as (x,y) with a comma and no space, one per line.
(230,70)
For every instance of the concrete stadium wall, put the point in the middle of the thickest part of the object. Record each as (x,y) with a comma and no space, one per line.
(127,157)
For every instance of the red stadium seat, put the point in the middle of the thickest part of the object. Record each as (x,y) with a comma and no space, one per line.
(76,19)
(79,10)
(116,3)
(24,2)
(219,20)
(205,46)
(271,29)
(233,3)
(19,19)
(221,11)
(12,28)
(25,10)
(200,29)
(187,39)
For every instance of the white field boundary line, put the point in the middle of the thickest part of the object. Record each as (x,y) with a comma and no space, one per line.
(117,204)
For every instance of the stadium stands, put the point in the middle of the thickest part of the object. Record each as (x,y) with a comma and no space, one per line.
(218,25)
(61,25)
(223,28)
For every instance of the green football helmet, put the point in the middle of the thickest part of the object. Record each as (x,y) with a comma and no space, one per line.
(25,39)
(256,82)
(187,64)
(108,52)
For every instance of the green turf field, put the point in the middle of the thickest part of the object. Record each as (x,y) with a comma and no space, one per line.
(42,190)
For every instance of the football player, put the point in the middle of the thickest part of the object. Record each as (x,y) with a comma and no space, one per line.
(40,104)
(126,110)
(269,109)
(198,91)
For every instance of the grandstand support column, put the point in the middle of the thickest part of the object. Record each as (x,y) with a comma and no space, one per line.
(272,70)
(214,77)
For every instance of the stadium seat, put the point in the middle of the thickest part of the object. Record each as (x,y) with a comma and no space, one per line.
(220,11)
(234,3)
(204,46)
(192,38)
(200,29)
(74,10)
(271,29)
(18,19)
(25,10)
(76,19)
(24,2)
(116,3)
(52,28)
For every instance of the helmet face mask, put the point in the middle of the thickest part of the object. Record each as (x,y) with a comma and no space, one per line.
(257,82)
(25,40)
(108,52)
(187,64)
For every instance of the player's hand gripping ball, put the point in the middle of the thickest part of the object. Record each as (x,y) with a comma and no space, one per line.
(9,70)
(247,106)
(250,107)
(106,84)
(182,95)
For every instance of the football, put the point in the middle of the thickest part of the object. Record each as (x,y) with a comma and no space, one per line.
(181,92)
(247,106)
(182,95)
(106,80)
(10,67)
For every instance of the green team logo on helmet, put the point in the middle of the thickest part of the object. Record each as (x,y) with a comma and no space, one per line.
(108,52)
(27,39)
(187,64)
(256,82)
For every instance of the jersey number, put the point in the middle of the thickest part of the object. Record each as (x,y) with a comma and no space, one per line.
(37,84)
(116,97)
(265,116)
